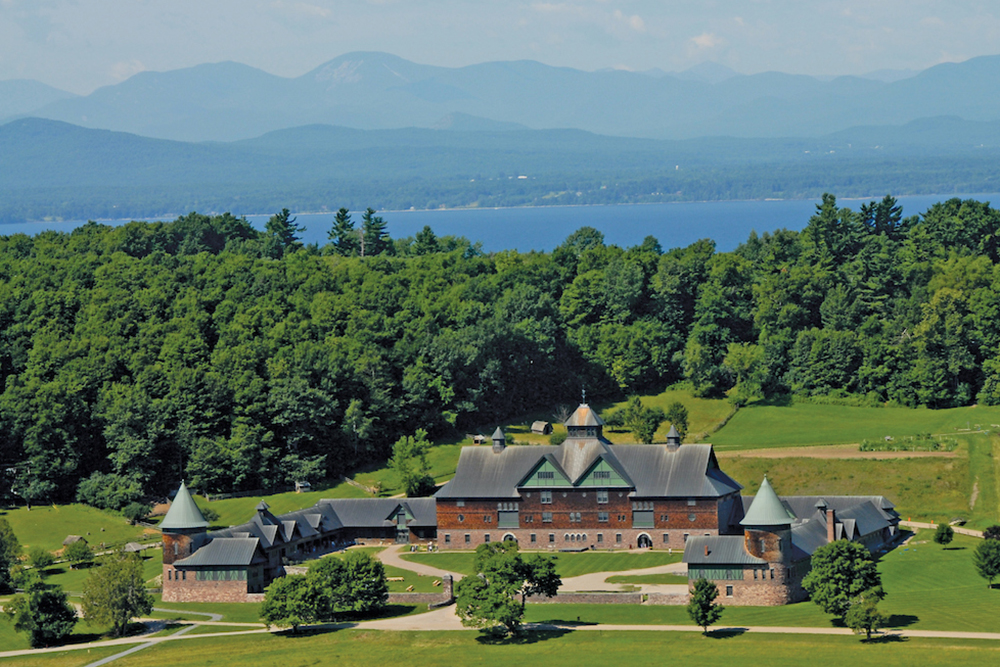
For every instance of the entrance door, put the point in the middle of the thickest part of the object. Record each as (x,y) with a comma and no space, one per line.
(645,542)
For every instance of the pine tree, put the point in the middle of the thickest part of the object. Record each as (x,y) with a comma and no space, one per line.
(374,239)
(343,236)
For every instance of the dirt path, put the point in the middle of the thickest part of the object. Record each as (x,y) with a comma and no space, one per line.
(597,581)
(391,556)
(829,452)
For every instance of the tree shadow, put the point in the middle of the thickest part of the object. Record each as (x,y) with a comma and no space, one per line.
(780,401)
(524,637)
(954,548)
(901,620)
(886,639)
(725,633)
(552,622)
(306,632)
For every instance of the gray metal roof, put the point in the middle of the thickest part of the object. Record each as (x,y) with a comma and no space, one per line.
(653,470)
(722,550)
(766,509)
(498,434)
(225,551)
(377,512)
(584,415)
(183,513)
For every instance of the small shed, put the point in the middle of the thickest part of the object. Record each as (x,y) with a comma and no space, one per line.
(302,487)
(544,428)
(479,439)
(133,547)
(71,539)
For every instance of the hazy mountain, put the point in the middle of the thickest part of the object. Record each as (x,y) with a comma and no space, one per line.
(22,96)
(228,101)
(890,75)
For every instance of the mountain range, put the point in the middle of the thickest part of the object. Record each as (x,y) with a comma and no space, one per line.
(229,101)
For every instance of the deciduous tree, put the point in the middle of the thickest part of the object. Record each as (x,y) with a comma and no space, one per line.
(115,593)
(42,611)
(944,534)
(841,572)
(986,558)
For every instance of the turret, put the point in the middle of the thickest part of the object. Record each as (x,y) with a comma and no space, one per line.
(584,423)
(499,441)
(767,526)
(184,528)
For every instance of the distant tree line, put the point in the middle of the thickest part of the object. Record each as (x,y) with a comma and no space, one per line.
(133,356)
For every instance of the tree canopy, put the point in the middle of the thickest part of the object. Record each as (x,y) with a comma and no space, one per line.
(115,593)
(841,572)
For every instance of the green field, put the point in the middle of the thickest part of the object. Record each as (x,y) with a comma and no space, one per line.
(353,647)
(924,489)
(567,564)
(67,659)
(651,579)
(48,525)
(72,580)
(799,424)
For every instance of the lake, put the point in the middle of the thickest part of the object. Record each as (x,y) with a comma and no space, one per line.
(543,228)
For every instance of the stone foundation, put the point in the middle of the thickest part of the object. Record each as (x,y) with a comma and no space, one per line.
(577,538)
(588,598)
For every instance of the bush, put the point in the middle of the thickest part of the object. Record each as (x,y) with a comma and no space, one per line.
(40,558)
(944,534)
(78,553)
(557,438)
(136,512)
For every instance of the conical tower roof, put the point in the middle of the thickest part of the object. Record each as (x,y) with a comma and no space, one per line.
(766,509)
(673,433)
(183,513)
(498,434)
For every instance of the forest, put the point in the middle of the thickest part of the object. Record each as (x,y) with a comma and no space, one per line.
(239,359)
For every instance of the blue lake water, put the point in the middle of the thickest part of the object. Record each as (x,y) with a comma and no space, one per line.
(543,228)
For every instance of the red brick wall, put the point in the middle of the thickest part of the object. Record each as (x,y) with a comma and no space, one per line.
(183,547)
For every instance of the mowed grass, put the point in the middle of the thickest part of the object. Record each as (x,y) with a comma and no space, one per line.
(799,424)
(924,489)
(648,579)
(567,564)
(929,587)
(72,580)
(65,659)
(554,649)
(47,526)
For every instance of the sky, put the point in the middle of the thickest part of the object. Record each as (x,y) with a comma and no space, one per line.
(80,45)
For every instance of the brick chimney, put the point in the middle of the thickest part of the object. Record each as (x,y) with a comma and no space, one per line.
(706,551)
(831,525)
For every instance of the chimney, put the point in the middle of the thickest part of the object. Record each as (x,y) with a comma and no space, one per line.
(499,441)
(831,525)
(706,551)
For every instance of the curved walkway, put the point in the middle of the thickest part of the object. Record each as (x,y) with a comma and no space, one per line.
(391,556)
(596,581)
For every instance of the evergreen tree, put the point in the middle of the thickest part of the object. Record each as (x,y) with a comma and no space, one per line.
(702,607)
(343,236)
(280,235)
(374,239)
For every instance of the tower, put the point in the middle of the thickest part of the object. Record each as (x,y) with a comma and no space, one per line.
(584,423)
(184,528)
(767,534)
(499,441)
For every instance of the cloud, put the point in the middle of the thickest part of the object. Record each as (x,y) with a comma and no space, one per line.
(126,68)
(635,21)
(707,40)
(302,9)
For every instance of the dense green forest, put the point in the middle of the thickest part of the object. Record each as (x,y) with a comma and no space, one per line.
(133,356)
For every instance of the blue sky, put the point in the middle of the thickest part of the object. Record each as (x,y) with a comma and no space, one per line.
(79,45)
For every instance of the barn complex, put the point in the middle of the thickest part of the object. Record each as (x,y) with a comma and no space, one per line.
(585,493)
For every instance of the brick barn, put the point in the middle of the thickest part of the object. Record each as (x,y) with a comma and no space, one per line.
(765,564)
(586,493)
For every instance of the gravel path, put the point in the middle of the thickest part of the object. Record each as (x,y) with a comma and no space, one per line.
(391,556)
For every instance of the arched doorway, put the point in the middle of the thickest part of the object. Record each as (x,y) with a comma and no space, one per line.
(509,537)
(644,541)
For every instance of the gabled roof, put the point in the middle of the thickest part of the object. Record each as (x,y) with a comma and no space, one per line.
(225,551)
(766,509)
(377,512)
(722,550)
(689,471)
(584,415)
(183,513)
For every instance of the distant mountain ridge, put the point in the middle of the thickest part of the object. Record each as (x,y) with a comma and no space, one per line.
(229,101)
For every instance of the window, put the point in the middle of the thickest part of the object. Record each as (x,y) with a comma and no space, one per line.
(530,518)
(622,517)
(686,536)
(692,517)
(618,538)
(755,573)
(600,538)
(566,537)
(602,474)
(602,517)
(545,497)
(459,503)
(552,537)
(461,518)
(763,545)
(184,575)
(692,502)
(664,518)
(533,538)
(546,517)
(602,497)
(175,548)
(642,505)
(546,474)
(467,538)
(170,575)
(447,539)
(772,574)
(729,591)
(575,517)
(487,518)
(666,538)
(486,538)
(506,507)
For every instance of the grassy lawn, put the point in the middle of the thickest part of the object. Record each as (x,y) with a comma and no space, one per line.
(798,424)
(353,647)
(66,659)
(648,579)
(48,525)
(567,564)
(921,488)
(235,612)
(72,580)
(420,583)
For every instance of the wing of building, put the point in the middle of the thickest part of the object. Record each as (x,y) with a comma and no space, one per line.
(765,564)
(586,493)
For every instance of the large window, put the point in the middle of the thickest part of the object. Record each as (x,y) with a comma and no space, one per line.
(602,517)
(546,517)
(575,517)
(545,497)
(602,497)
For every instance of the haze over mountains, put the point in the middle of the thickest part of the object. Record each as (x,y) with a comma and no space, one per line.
(229,101)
